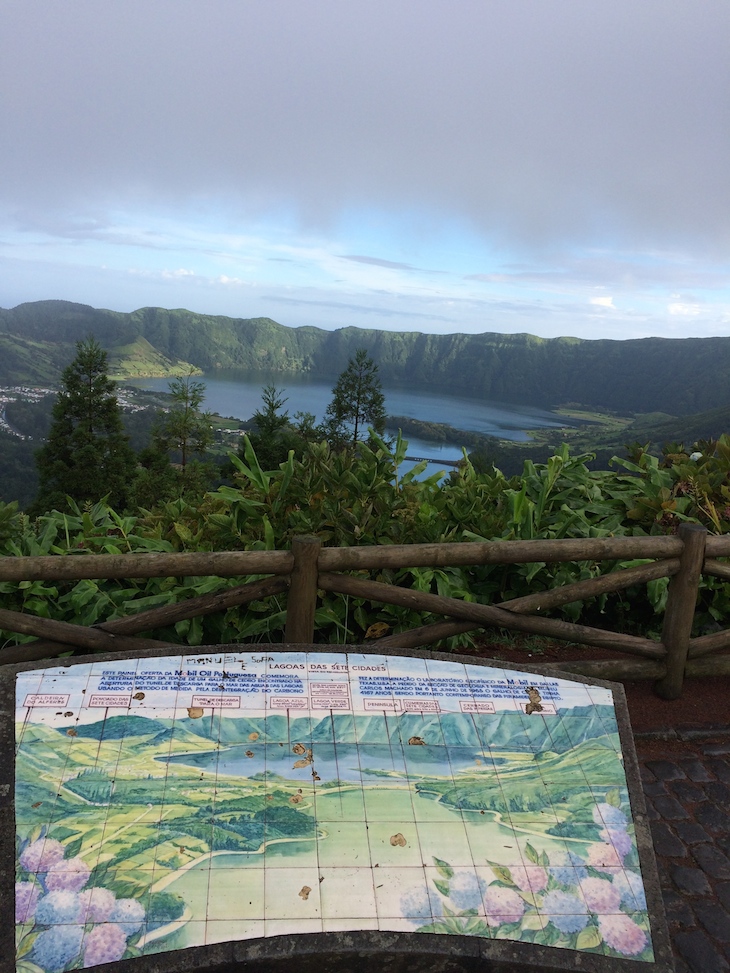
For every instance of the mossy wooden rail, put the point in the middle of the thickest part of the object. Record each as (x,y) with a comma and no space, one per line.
(309,567)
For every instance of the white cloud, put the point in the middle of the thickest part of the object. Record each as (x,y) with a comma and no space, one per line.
(684,310)
(603,302)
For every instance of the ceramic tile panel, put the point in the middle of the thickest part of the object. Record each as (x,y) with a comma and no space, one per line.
(183,800)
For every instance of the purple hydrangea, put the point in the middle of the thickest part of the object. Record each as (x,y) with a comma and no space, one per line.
(58,908)
(611,817)
(502,905)
(96,904)
(601,896)
(621,933)
(55,948)
(631,889)
(41,854)
(620,840)
(26,899)
(72,874)
(466,890)
(529,878)
(602,855)
(129,914)
(566,912)
(105,943)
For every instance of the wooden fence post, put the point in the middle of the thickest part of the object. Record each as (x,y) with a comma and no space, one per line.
(680,609)
(302,599)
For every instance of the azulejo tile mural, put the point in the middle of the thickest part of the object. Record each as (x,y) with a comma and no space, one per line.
(168,802)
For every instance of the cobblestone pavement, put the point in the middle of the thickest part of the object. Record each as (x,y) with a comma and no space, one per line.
(686,780)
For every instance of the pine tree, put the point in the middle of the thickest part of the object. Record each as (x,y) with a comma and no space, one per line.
(357,402)
(87,455)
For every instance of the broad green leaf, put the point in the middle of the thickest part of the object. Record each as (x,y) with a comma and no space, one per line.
(443,868)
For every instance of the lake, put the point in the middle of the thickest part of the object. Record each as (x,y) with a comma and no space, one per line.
(238,394)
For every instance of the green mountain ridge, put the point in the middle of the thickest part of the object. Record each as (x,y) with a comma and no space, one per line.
(678,376)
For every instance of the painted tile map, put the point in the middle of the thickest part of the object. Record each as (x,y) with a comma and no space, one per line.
(163,803)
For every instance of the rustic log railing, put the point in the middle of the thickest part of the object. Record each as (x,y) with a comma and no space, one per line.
(309,567)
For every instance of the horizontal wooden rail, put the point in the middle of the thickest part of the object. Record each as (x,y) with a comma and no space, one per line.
(72,636)
(488,615)
(77,567)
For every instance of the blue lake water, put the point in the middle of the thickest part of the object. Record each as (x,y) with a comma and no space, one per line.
(347,762)
(235,394)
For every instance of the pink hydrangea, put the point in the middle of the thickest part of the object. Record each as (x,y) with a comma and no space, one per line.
(105,943)
(620,840)
(529,878)
(603,855)
(96,904)
(600,895)
(41,854)
(72,873)
(621,933)
(26,899)
(502,905)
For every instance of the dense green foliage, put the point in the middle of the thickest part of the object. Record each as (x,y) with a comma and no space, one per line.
(86,455)
(348,499)
(676,376)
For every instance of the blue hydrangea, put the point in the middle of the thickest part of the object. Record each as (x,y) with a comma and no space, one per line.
(631,888)
(566,912)
(55,948)
(568,869)
(58,907)
(466,890)
(129,914)
(420,905)
(610,817)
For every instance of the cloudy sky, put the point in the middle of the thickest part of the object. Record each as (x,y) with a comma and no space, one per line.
(549,166)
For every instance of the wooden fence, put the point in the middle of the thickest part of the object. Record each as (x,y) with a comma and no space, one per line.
(308,567)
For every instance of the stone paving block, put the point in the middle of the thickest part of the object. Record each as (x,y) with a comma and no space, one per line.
(722,890)
(646,775)
(695,770)
(712,861)
(678,909)
(669,808)
(691,833)
(691,881)
(655,788)
(665,769)
(689,793)
(718,792)
(715,920)
(720,768)
(700,952)
(666,842)
(713,819)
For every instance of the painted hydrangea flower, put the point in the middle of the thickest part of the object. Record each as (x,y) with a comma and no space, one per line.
(568,869)
(55,948)
(603,855)
(26,899)
(129,914)
(620,840)
(601,895)
(105,943)
(71,873)
(466,890)
(621,933)
(421,905)
(41,854)
(608,816)
(502,905)
(529,878)
(96,904)
(631,888)
(58,908)
(566,911)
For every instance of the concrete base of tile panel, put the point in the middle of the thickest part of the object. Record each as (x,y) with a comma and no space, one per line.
(318,952)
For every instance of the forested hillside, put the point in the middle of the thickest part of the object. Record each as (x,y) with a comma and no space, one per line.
(676,376)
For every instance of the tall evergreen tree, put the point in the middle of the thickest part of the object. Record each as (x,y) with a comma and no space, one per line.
(87,455)
(357,402)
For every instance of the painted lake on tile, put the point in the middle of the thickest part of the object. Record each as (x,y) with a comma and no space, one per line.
(168,802)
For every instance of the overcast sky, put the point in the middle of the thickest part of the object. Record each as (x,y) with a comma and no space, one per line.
(549,166)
